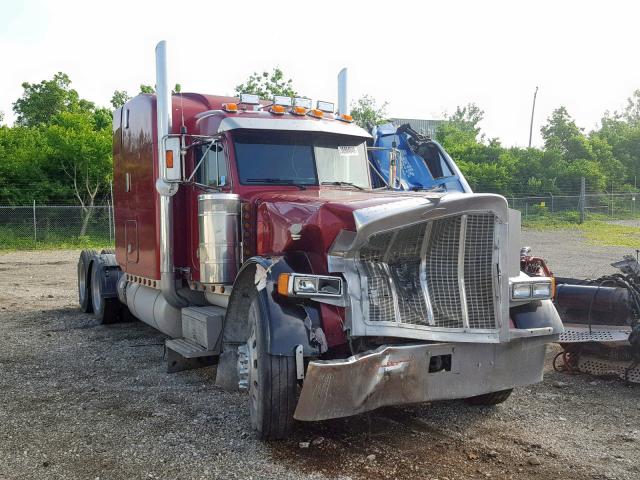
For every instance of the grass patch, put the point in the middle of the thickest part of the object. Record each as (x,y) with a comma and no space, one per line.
(596,231)
(607,234)
(12,240)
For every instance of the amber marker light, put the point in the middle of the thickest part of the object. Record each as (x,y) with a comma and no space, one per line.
(316,113)
(283,284)
(169,158)
(299,111)
(230,107)
(345,118)
(277,109)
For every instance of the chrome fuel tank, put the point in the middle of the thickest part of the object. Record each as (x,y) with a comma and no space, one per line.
(219,248)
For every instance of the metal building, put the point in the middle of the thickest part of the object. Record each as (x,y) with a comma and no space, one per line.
(426,127)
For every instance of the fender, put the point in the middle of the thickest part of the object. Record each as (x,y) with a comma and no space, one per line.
(538,314)
(289,322)
(109,273)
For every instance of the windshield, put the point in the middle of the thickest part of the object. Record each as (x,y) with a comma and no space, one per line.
(300,158)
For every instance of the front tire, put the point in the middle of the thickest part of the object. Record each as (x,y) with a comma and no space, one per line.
(493,398)
(272,383)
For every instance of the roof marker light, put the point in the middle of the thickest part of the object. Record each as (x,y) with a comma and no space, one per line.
(345,118)
(299,110)
(325,106)
(282,100)
(249,99)
(316,113)
(277,109)
(230,107)
(302,102)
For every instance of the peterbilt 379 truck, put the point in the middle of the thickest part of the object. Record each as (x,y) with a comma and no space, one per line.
(249,232)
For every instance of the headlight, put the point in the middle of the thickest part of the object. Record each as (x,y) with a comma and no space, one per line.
(541,290)
(534,290)
(521,291)
(295,285)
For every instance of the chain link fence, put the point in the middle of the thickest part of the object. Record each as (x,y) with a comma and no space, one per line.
(47,226)
(63,226)
(571,207)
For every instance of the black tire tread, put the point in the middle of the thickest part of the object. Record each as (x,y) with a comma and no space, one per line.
(86,256)
(493,398)
(282,398)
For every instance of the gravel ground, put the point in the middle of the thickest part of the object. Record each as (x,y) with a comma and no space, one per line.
(83,400)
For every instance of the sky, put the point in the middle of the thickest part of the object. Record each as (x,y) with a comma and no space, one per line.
(424,58)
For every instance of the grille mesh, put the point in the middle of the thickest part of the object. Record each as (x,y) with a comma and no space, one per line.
(381,306)
(391,267)
(442,272)
(478,278)
(404,267)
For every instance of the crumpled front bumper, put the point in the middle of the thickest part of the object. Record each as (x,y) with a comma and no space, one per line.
(395,375)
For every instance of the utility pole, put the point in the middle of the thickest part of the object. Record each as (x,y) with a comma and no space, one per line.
(533,109)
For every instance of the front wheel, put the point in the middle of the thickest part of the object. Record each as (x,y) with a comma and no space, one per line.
(272,383)
(493,398)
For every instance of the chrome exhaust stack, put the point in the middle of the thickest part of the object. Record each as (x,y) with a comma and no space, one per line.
(343,107)
(165,189)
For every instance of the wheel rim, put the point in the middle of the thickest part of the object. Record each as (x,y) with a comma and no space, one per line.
(95,292)
(82,282)
(252,351)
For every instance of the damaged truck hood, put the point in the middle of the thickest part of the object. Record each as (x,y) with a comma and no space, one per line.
(327,219)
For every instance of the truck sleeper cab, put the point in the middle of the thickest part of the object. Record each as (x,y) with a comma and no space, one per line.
(251,235)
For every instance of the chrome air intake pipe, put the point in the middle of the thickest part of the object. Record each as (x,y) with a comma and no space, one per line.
(165,189)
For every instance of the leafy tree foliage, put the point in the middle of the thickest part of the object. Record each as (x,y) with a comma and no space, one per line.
(367,113)
(266,85)
(58,151)
(40,102)
(119,98)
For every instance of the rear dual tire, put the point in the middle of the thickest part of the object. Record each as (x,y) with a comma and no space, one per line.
(84,280)
(106,310)
(90,290)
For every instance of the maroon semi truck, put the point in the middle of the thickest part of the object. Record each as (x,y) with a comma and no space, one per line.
(249,233)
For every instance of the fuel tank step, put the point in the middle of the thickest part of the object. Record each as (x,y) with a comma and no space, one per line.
(184,354)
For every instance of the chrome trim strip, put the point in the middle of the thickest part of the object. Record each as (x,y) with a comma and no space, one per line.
(461,250)
(303,125)
(423,272)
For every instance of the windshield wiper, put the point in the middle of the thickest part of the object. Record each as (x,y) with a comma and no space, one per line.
(343,183)
(276,181)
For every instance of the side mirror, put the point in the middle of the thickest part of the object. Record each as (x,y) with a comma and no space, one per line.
(171,160)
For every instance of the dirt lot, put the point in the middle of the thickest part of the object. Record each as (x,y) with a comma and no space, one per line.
(82,400)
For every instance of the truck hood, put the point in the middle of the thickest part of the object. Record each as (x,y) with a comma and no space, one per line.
(311,220)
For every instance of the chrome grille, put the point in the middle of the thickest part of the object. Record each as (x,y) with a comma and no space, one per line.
(437,273)
(404,268)
(442,272)
(478,270)
(381,305)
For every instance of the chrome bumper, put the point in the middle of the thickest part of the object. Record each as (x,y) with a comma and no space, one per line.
(395,375)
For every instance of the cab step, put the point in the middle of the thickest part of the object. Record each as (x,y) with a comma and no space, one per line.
(184,354)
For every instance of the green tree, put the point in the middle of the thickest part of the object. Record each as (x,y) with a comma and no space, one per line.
(149,89)
(563,135)
(40,102)
(83,152)
(119,98)
(266,85)
(366,112)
